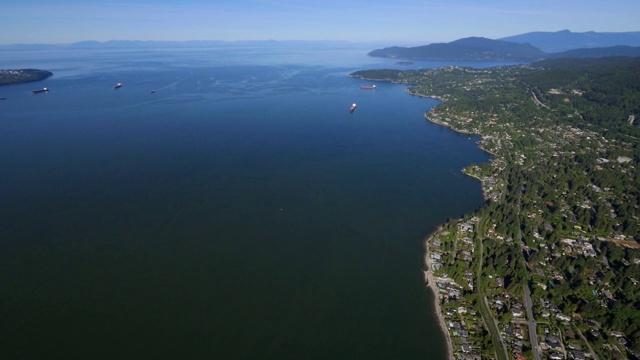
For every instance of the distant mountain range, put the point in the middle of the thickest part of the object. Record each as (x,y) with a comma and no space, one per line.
(559,41)
(525,47)
(467,49)
(147,44)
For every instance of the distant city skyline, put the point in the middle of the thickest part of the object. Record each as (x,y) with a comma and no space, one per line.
(404,21)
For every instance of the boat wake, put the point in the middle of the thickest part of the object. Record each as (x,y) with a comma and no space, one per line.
(173,84)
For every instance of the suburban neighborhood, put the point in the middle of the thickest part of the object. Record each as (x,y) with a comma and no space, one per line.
(548,267)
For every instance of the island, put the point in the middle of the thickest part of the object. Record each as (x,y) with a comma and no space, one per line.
(549,266)
(21,76)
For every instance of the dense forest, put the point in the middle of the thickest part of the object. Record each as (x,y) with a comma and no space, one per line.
(609,93)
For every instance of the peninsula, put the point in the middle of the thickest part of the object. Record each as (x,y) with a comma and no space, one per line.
(10,77)
(549,266)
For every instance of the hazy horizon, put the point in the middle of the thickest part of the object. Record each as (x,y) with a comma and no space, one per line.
(199,43)
(357,21)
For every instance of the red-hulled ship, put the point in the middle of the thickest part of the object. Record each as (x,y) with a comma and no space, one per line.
(371,87)
(352,108)
(39,91)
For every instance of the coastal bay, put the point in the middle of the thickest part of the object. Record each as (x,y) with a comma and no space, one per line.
(497,262)
(240,209)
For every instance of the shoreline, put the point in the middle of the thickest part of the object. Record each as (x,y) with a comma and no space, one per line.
(429,278)
(431,284)
(447,125)
(485,193)
(407,90)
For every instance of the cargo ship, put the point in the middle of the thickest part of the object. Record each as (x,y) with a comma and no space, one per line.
(372,87)
(352,108)
(39,91)
(117,86)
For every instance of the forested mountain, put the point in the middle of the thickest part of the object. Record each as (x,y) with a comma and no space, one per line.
(621,50)
(483,49)
(564,40)
(467,49)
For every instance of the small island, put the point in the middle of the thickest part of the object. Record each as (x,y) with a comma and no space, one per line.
(21,76)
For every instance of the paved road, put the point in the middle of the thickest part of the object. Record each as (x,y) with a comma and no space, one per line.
(533,333)
(489,321)
(593,353)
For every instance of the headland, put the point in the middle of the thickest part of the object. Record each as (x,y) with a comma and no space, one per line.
(21,76)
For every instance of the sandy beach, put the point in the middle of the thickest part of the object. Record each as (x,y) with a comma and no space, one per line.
(431,284)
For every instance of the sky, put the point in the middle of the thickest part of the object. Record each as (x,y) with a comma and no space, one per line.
(391,21)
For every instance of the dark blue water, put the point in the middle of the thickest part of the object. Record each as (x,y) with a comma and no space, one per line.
(238,212)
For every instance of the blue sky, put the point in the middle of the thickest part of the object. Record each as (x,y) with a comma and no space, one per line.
(400,21)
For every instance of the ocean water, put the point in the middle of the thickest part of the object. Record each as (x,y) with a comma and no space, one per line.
(238,212)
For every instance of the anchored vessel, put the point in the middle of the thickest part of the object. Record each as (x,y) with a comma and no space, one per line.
(372,87)
(117,86)
(352,108)
(39,91)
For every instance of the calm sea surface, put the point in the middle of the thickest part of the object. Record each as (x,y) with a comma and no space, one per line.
(238,212)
